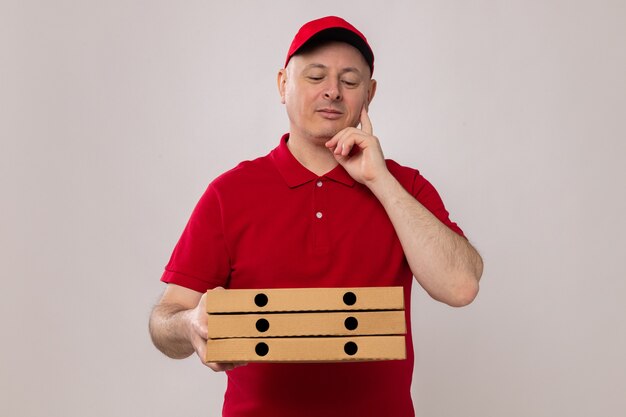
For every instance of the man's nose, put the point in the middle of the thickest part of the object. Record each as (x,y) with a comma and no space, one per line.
(333,91)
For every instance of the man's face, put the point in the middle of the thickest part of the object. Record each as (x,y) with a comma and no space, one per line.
(324,90)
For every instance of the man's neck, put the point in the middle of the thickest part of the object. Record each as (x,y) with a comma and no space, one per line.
(312,154)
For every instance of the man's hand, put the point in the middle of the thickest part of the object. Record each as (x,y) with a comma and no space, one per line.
(178,325)
(198,334)
(359,151)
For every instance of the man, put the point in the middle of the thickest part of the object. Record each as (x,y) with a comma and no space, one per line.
(323,209)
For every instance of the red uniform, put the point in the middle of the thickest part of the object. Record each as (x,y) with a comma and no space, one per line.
(271,223)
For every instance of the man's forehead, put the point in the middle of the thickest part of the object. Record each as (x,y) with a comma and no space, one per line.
(317,65)
(318,56)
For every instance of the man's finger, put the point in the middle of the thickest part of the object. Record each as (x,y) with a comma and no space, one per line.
(366,123)
(333,143)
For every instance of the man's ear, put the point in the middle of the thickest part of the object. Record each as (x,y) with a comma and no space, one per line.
(281,80)
(371,91)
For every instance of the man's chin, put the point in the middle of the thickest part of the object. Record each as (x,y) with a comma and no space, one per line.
(326,134)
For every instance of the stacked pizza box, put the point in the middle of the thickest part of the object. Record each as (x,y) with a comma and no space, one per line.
(306,325)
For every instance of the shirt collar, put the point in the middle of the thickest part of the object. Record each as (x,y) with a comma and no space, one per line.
(295,174)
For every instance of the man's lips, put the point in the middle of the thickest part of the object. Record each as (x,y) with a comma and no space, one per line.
(329,113)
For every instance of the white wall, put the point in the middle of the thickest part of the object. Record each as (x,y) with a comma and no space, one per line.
(115,115)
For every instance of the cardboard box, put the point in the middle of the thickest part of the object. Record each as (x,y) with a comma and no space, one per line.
(305,299)
(306,324)
(306,349)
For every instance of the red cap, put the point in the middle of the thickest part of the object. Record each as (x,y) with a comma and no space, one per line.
(331,28)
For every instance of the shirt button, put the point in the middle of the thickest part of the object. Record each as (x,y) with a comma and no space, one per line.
(319,183)
(318,214)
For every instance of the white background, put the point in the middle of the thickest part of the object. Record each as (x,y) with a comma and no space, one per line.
(115,115)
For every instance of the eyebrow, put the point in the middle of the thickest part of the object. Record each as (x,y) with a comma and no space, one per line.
(322,66)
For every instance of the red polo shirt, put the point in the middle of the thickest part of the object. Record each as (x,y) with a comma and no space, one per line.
(271,223)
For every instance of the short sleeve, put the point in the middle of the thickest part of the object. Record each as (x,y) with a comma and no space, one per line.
(427,195)
(424,192)
(200,260)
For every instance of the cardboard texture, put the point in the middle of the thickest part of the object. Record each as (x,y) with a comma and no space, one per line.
(307,349)
(306,325)
(305,299)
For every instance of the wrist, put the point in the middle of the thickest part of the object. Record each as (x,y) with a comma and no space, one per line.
(381,182)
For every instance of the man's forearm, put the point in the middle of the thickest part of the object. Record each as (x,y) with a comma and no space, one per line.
(169,330)
(443,262)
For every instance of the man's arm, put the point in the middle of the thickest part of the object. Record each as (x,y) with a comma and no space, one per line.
(444,263)
(178,325)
